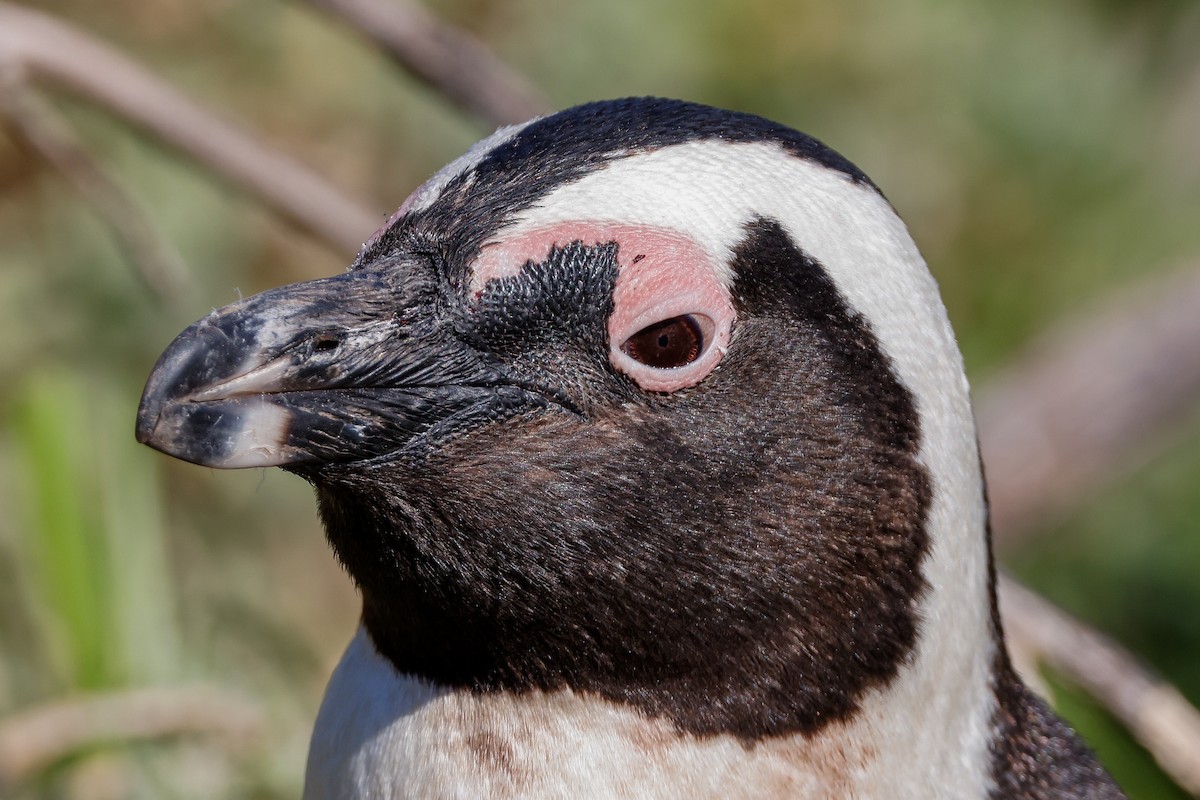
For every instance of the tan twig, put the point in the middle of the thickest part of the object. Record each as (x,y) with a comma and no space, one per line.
(1089,401)
(454,63)
(47,49)
(34,739)
(157,263)
(1155,712)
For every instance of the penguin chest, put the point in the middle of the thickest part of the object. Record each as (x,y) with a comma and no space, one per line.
(382,735)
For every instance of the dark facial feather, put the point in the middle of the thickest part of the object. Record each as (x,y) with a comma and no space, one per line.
(743,557)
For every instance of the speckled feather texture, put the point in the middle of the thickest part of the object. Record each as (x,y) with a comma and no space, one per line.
(380,735)
(762,571)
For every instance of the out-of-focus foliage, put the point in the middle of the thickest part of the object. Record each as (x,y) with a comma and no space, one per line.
(1045,154)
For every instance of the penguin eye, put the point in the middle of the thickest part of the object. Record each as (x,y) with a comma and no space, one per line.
(671,343)
(672,314)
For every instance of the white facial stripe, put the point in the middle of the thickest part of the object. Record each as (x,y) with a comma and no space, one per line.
(709,190)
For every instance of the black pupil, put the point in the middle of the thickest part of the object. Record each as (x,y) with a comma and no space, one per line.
(671,343)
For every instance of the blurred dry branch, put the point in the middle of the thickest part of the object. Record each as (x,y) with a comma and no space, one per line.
(32,740)
(157,263)
(39,48)
(1089,401)
(1154,711)
(450,60)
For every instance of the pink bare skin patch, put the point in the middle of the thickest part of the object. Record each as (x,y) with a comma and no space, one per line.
(664,275)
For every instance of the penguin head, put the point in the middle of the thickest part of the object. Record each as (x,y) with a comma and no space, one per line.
(642,399)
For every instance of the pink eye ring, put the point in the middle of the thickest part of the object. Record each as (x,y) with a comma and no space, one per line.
(672,313)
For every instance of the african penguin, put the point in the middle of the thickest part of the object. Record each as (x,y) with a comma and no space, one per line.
(644,435)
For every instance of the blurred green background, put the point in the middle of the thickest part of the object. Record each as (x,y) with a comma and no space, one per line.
(1045,155)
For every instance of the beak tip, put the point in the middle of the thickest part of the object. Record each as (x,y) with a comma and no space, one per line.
(144,431)
(147,418)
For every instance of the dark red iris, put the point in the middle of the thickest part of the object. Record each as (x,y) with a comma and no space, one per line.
(673,342)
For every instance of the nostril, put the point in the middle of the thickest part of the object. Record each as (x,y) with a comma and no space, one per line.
(326,343)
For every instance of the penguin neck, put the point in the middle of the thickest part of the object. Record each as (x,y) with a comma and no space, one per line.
(383,734)
(929,724)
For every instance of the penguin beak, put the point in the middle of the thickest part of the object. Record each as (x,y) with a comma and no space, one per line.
(341,369)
